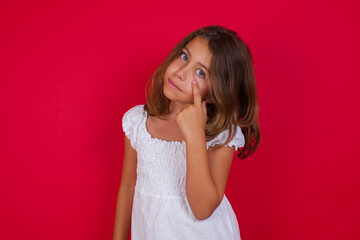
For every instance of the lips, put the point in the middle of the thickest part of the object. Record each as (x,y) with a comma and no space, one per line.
(172,84)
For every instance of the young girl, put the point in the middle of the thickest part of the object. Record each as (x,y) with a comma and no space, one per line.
(201,107)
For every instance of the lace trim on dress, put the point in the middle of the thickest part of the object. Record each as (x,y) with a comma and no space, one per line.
(154,138)
(238,140)
(137,115)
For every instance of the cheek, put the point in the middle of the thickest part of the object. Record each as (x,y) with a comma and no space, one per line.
(172,67)
(189,90)
(168,69)
(204,90)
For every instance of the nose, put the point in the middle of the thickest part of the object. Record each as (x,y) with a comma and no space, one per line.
(181,73)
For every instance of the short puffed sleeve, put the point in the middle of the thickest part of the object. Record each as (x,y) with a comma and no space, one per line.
(237,142)
(131,123)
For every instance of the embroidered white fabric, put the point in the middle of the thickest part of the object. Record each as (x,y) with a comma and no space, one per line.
(160,208)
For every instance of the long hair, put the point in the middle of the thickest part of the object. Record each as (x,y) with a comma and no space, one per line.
(233,90)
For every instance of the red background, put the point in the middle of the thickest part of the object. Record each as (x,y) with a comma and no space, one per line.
(70,70)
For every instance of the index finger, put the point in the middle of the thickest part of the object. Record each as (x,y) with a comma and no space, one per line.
(196,91)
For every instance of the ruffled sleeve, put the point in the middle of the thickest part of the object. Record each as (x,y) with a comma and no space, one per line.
(131,123)
(237,142)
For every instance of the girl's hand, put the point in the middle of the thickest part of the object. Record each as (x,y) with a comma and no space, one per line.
(192,118)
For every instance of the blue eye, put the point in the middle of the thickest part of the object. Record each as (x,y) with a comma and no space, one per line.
(201,74)
(183,54)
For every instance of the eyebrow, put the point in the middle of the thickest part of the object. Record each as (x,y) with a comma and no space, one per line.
(197,62)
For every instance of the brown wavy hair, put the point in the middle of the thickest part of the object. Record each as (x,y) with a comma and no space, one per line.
(233,91)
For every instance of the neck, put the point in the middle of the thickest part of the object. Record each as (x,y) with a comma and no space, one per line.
(175,108)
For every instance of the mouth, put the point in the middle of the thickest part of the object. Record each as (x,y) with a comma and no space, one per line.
(172,84)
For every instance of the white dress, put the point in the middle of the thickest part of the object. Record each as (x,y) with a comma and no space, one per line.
(160,207)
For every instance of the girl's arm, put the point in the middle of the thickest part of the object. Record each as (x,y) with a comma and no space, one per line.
(206,170)
(206,175)
(126,194)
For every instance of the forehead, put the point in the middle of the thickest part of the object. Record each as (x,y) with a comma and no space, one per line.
(200,51)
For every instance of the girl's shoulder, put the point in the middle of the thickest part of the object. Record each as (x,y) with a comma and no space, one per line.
(133,116)
(131,121)
(237,141)
(134,111)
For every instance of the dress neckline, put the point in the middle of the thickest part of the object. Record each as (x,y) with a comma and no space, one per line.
(155,138)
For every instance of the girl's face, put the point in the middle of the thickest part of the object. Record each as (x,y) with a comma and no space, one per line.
(192,64)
